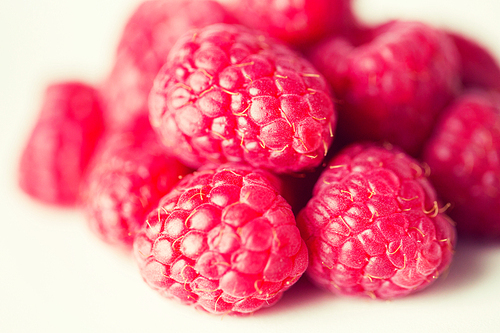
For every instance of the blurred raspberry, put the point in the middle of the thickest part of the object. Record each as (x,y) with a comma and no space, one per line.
(62,143)
(229,94)
(295,22)
(373,227)
(127,177)
(393,85)
(148,36)
(464,156)
(223,241)
(479,68)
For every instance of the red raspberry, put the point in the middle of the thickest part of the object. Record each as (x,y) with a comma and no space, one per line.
(373,226)
(295,22)
(61,144)
(479,67)
(230,94)
(129,174)
(223,241)
(464,155)
(148,36)
(393,86)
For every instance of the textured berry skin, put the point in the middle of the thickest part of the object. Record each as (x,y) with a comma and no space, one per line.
(373,227)
(464,155)
(223,241)
(479,68)
(127,177)
(143,48)
(295,22)
(392,86)
(61,143)
(228,94)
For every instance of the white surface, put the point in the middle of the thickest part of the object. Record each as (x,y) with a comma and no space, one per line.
(55,276)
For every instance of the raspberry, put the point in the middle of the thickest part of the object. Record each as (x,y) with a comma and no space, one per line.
(61,143)
(127,178)
(393,86)
(463,154)
(479,68)
(373,226)
(227,94)
(148,36)
(295,22)
(223,241)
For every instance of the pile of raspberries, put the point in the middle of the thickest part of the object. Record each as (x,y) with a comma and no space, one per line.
(234,147)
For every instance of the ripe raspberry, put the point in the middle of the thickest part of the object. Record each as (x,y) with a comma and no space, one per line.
(128,175)
(223,241)
(61,144)
(464,155)
(229,94)
(373,226)
(479,68)
(148,36)
(295,22)
(393,86)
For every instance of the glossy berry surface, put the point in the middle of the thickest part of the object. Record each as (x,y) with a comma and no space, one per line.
(295,22)
(143,48)
(223,241)
(228,94)
(392,86)
(61,144)
(127,177)
(373,227)
(464,155)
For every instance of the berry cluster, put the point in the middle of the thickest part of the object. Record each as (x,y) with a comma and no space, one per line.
(257,98)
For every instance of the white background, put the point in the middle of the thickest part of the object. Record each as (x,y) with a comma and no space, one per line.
(55,276)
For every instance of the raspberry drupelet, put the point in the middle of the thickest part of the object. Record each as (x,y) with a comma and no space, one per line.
(128,175)
(223,240)
(374,227)
(62,142)
(143,48)
(464,155)
(393,84)
(229,94)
